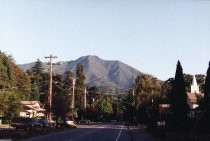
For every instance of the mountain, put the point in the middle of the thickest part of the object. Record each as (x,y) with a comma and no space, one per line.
(97,71)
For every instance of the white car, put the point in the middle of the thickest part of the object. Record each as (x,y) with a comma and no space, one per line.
(71,123)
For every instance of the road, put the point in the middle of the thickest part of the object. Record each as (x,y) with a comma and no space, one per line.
(108,132)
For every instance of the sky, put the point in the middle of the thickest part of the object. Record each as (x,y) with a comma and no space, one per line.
(149,35)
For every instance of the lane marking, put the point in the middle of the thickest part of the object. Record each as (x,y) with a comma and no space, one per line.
(87,133)
(119,133)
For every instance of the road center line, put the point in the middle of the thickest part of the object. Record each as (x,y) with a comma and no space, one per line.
(119,133)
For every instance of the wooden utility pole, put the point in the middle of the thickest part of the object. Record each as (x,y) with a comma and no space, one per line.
(85,98)
(50,86)
(72,102)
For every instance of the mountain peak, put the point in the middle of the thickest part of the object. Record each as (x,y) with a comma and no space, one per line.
(98,72)
(89,58)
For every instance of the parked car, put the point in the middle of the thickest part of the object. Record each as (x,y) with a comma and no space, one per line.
(45,123)
(71,123)
(25,123)
(84,121)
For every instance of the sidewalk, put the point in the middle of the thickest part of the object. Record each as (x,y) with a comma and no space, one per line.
(139,134)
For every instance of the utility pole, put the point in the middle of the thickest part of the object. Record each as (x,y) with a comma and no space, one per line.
(72,100)
(85,98)
(133,92)
(50,86)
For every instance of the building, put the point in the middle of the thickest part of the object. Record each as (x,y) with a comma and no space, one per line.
(32,109)
(194,95)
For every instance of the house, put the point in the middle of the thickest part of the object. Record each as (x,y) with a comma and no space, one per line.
(194,95)
(32,109)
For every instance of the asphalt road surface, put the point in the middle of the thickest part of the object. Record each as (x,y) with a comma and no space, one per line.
(108,132)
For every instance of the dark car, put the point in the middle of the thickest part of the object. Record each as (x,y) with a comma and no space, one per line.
(44,122)
(25,123)
(84,121)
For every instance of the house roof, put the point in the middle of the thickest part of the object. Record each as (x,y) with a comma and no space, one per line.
(33,105)
(30,102)
(194,96)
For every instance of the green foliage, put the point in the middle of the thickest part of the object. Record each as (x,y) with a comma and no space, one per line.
(188,81)
(104,105)
(179,100)
(10,104)
(36,74)
(92,95)
(6,74)
(68,82)
(136,104)
(44,89)
(129,108)
(146,87)
(201,81)
(14,107)
(79,86)
(72,113)
(38,67)
(24,86)
(14,86)
(61,106)
(166,89)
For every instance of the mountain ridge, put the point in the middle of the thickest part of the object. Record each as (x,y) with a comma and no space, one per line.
(97,71)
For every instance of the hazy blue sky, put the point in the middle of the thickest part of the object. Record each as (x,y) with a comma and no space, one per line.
(149,35)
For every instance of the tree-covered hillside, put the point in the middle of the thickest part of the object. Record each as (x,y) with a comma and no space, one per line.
(14,86)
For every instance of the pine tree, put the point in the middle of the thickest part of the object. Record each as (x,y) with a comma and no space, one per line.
(38,67)
(179,100)
(36,80)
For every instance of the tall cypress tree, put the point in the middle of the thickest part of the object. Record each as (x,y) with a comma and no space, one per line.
(207,87)
(203,122)
(179,100)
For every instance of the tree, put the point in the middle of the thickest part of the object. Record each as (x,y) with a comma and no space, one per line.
(146,89)
(201,81)
(129,108)
(24,85)
(14,86)
(61,106)
(44,88)
(179,100)
(207,87)
(58,96)
(105,107)
(36,80)
(166,89)
(68,82)
(80,86)
(14,107)
(188,81)
(68,91)
(38,67)
(141,98)
(92,95)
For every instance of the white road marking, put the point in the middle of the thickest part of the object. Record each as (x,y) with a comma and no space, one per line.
(119,133)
